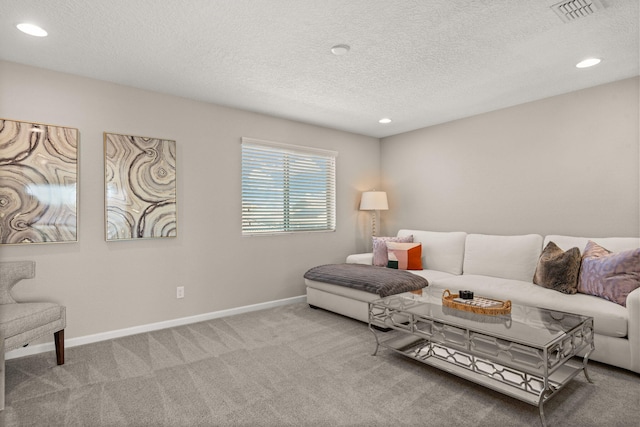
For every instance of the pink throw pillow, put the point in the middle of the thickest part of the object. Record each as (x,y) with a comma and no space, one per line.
(380,257)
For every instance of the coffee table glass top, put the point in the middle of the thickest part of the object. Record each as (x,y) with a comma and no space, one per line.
(526,325)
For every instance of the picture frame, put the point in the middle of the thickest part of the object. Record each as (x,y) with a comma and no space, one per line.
(140,187)
(38,183)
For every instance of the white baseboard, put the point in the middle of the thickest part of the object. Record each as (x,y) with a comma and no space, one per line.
(88,339)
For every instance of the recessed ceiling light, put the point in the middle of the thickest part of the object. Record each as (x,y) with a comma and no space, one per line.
(589,62)
(340,49)
(32,30)
(385,120)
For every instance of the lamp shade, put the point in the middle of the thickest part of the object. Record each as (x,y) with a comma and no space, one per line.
(374,201)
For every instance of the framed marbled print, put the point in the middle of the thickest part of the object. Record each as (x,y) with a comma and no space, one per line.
(38,183)
(140,187)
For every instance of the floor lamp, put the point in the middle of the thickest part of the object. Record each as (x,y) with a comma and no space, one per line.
(374,201)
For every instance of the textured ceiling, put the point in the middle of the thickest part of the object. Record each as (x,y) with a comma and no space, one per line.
(419,62)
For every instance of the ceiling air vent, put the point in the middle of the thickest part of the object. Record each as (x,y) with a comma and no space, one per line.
(571,10)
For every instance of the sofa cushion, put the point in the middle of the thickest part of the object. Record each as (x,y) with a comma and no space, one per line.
(609,318)
(442,251)
(612,276)
(432,274)
(557,269)
(355,294)
(368,296)
(408,256)
(508,257)
(380,257)
(613,244)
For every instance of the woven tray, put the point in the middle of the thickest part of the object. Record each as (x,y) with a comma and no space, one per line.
(503,308)
(502,319)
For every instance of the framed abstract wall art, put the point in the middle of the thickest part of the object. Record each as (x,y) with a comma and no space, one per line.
(140,187)
(38,183)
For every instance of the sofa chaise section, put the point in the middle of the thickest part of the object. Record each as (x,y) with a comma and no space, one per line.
(442,258)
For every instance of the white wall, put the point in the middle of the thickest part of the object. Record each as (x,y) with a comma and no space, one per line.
(562,165)
(115,285)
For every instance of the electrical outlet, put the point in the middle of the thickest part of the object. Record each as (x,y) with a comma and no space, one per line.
(180,292)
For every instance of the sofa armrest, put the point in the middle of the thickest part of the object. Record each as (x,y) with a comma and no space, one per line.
(633,305)
(361,259)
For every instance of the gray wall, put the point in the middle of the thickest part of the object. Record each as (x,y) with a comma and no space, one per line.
(562,165)
(109,286)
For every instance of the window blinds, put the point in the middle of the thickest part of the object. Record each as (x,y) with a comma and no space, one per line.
(287,188)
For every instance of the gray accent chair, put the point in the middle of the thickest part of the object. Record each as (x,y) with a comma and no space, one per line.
(25,322)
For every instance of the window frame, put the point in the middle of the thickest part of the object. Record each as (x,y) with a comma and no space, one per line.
(292,164)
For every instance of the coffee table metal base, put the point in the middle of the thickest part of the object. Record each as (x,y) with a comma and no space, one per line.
(462,356)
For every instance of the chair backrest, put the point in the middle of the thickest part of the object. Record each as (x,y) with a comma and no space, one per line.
(11,272)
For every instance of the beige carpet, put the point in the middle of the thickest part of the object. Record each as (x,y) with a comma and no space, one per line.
(287,366)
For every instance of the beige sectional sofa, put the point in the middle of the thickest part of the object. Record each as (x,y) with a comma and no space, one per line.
(503,267)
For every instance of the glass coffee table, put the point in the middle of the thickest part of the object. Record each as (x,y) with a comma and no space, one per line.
(526,354)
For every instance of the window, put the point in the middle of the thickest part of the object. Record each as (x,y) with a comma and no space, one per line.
(287,188)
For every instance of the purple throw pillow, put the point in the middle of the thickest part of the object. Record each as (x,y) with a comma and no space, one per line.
(380,256)
(612,276)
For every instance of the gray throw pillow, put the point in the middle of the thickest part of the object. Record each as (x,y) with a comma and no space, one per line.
(558,270)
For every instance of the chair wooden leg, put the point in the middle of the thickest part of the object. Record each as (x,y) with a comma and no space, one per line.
(59,340)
